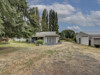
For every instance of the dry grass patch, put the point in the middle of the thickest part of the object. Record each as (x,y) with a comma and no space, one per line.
(63,59)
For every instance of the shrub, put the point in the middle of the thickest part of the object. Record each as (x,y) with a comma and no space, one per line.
(39,42)
(27,40)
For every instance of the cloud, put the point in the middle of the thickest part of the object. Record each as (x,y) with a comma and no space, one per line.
(77,18)
(93,19)
(62,9)
(70,15)
(75,28)
(98,1)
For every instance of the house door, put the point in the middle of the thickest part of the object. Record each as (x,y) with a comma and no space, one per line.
(51,40)
(85,40)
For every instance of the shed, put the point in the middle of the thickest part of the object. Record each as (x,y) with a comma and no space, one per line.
(88,38)
(49,38)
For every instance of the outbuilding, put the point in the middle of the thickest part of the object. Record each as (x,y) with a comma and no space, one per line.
(49,38)
(88,38)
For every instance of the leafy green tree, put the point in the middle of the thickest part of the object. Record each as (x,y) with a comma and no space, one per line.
(44,21)
(67,34)
(44,26)
(12,14)
(34,18)
(17,21)
(1,26)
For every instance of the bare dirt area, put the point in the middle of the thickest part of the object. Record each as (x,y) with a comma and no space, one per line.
(63,59)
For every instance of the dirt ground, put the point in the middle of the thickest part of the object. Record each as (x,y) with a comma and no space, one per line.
(63,59)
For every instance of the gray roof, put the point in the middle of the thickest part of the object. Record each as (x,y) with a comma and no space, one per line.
(93,33)
(43,34)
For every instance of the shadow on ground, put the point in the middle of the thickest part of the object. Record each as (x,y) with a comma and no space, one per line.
(6,50)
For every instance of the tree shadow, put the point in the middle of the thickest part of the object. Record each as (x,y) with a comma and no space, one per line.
(6,50)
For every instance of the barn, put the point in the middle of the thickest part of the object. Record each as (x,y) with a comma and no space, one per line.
(88,38)
(49,38)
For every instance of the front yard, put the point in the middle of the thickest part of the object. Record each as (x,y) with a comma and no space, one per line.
(63,59)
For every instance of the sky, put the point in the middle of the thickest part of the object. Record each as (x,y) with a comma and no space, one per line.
(77,15)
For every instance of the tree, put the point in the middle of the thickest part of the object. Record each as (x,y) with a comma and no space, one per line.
(1,26)
(12,14)
(34,18)
(67,34)
(44,26)
(56,23)
(50,20)
(37,11)
(44,21)
(53,21)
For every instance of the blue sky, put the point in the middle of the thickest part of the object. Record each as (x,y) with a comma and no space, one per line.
(78,15)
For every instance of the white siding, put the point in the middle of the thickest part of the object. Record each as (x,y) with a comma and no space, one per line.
(79,36)
(45,40)
(51,40)
(57,39)
(92,42)
(85,40)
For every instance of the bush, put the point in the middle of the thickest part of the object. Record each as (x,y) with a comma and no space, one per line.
(27,40)
(39,42)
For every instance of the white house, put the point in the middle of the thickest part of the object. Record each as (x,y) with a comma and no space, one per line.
(88,38)
(49,38)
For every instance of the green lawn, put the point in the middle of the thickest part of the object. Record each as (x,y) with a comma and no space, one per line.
(16,44)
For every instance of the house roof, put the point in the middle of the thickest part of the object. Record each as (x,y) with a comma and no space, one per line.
(92,34)
(43,34)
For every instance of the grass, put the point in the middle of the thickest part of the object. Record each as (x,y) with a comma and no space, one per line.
(7,50)
(12,47)
(23,58)
(18,51)
(17,44)
(51,52)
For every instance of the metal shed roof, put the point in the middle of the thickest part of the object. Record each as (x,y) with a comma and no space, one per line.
(93,32)
(43,34)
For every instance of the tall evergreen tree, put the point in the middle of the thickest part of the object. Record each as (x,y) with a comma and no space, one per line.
(44,21)
(56,23)
(37,11)
(53,21)
(50,20)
